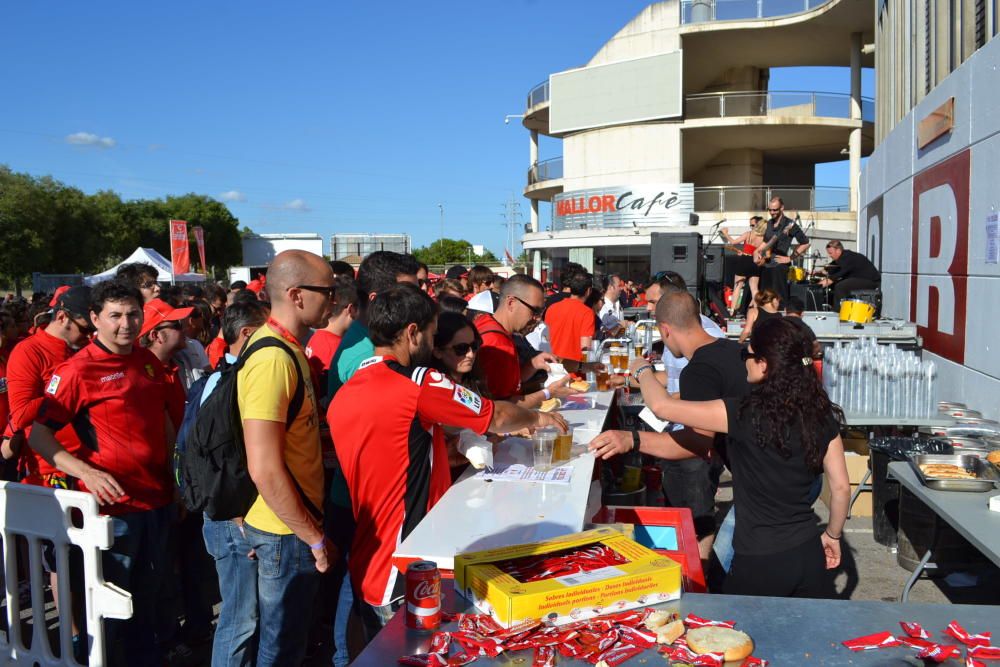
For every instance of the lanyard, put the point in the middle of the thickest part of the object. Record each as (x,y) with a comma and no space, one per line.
(283,332)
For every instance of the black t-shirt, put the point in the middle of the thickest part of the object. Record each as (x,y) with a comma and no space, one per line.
(714,371)
(800,323)
(853,265)
(771,493)
(784,242)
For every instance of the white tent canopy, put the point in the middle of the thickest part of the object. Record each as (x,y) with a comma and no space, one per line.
(154,259)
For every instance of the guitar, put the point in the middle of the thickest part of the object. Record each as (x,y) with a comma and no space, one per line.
(764,251)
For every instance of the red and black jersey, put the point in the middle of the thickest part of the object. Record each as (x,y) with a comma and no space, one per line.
(28,373)
(387,427)
(498,358)
(117,405)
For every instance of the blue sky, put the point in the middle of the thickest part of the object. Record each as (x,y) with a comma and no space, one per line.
(305,117)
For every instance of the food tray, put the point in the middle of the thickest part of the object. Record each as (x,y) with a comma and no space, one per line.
(986,475)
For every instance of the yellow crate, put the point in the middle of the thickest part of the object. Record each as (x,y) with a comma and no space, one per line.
(647,578)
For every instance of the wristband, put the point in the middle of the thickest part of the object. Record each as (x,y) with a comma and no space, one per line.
(639,371)
(635,441)
(318,545)
(546,393)
(831,536)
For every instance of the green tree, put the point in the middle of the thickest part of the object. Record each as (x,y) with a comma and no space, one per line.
(26,225)
(451,251)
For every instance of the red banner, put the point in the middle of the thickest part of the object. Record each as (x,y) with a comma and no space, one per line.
(199,236)
(180,256)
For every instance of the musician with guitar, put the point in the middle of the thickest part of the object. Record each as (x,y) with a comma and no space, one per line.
(778,251)
(747,272)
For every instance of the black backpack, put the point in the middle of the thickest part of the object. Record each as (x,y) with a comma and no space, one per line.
(214,478)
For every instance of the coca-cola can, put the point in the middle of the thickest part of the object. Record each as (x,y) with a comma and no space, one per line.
(423,596)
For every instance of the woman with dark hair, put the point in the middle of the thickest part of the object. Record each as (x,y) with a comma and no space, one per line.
(456,344)
(766,306)
(781,438)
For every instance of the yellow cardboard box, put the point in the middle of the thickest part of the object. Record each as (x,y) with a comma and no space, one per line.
(645,578)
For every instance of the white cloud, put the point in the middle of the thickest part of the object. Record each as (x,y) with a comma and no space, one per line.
(90,139)
(233,195)
(297,205)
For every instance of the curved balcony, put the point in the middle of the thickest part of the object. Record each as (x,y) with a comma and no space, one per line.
(545,179)
(776,104)
(700,11)
(536,116)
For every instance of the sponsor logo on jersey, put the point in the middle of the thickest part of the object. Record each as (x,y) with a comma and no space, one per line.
(53,385)
(149,370)
(468,398)
(120,375)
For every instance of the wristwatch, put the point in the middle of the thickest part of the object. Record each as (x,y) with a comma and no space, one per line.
(639,371)
(635,441)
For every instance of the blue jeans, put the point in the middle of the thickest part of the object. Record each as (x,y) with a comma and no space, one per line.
(136,562)
(287,580)
(235,643)
(345,600)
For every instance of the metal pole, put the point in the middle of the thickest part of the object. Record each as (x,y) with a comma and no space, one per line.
(441,206)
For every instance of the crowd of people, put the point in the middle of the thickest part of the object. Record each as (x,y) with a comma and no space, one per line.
(352,389)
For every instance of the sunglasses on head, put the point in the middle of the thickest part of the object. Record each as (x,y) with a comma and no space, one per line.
(745,354)
(462,349)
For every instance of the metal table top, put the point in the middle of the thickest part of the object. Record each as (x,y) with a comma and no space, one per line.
(785,631)
(876,420)
(475,514)
(966,512)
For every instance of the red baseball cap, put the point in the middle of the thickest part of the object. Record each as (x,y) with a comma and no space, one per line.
(158,311)
(59,292)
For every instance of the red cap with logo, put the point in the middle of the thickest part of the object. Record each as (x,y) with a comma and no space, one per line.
(158,311)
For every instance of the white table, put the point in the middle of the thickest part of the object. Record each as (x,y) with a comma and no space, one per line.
(966,512)
(476,514)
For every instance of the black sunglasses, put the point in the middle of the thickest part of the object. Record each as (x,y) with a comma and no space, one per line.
(173,324)
(773,210)
(462,349)
(745,354)
(328,291)
(536,311)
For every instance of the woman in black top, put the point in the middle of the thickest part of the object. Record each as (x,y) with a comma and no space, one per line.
(782,436)
(766,306)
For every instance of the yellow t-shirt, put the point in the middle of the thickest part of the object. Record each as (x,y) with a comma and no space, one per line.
(265,386)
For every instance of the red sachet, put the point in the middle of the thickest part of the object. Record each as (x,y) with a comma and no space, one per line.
(985,652)
(873,641)
(631,618)
(914,630)
(693,621)
(751,661)
(489,646)
(514,630)
(424,660)
(619,653)
(487,626)
(463,657)
(914,642)
(939,652)
(642,638)
(440,643)
(545,656)
(958,632)
(467,623)
(972,662)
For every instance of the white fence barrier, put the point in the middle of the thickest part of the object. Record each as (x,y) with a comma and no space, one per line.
(64,518)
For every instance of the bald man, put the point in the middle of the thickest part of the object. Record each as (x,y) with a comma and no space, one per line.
(284,527)
(714,370)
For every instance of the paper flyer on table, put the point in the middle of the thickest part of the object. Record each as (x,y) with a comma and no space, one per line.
(518,472)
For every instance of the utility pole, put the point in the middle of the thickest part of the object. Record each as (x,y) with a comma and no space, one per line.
(441,206)
(512,219)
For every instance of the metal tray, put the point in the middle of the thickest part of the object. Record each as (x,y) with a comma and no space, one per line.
(986,475)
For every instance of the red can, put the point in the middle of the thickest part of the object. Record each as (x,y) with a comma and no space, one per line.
(423,596)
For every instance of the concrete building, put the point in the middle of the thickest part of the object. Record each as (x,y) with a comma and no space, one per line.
(672,126)
(260,249)
(930,193)
(346,247)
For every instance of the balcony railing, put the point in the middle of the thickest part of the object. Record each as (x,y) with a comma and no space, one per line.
(546,170)
(538,94)
(700,11)
(775,103)
(755,198)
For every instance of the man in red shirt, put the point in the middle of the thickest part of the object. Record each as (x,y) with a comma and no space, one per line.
(387,426)
(571,322)
(517,312)
(163,334)
(115,395)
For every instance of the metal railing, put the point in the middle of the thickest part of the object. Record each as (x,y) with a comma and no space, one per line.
(775,103)
(546,170)
(538,94)
(701,11)
(755,198)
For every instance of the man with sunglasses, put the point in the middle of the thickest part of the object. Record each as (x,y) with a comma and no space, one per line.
(775,272)
(143,277)
(162,334)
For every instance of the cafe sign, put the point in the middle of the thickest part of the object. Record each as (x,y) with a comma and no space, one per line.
(624,206)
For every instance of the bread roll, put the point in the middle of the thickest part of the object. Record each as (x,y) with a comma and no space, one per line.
(580,385)
(994,457)
(735,645)
(550,405)
(670,632)
(658,618)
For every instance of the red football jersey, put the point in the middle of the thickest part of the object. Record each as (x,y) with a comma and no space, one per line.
(386,424)
(117,405)
(568,322)
(498,359)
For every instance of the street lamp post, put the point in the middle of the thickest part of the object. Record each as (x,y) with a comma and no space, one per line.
(441,206)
